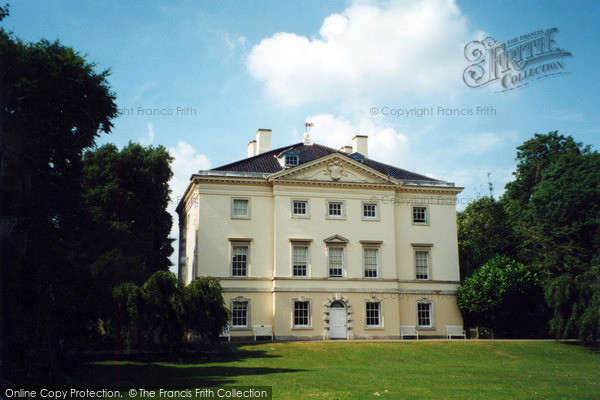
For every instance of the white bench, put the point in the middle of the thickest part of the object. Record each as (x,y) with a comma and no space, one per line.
(409,330)
(225,333)
(455,330)
(262,330)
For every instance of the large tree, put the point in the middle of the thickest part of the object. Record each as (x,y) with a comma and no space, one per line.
(126,194)
(53,105)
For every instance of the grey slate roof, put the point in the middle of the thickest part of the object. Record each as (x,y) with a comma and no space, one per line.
(268,163)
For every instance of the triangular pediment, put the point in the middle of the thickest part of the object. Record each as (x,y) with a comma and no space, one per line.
(334,167)
(336,239)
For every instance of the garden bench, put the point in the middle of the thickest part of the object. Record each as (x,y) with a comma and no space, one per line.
(455,330)
(225,333)
(262,330)
(409,330)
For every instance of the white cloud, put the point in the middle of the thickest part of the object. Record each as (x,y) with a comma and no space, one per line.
(398,49)
(149,138)
(385,144)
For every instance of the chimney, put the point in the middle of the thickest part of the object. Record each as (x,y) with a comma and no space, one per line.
(263,141)
(359,145)
(346,149)
(252,149)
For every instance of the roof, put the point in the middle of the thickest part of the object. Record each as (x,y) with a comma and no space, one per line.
(268,163)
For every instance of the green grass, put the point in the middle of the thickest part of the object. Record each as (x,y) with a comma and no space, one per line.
(381,370)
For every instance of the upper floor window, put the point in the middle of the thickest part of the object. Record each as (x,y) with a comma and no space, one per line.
(420,215)
(300,208)
(335,210)
(422,264)
(240,208)
(335,261)
(291,160)
(239,259)
(371,262)
(370,211)
(299,260)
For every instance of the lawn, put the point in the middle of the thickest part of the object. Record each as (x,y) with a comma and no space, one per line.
(384,370)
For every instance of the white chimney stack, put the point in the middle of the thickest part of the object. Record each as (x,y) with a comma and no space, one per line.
(359,145)
(252,149)
(263,141)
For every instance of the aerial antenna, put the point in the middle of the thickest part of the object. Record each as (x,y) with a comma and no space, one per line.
(306,136)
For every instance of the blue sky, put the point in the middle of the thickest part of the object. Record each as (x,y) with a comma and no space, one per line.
(268,64)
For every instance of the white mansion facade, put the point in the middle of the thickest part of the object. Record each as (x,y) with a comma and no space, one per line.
(323,243)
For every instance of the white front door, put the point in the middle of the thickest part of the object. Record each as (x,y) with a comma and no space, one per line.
(337,323)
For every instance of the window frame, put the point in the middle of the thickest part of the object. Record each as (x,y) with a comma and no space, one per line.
(293,214)
(342,215)
(289,165)
(362,211)
(239,242)
(371,245)
(343,261)
(296,243)
(232,208)
(309,324)
(232,302)
(423,248)
(431,325)
(373,300)
(412,215)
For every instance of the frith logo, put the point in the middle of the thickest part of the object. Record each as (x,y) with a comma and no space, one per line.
(515,63)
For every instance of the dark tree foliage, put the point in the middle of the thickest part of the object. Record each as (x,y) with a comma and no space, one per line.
(506,297)
(125,194)
(483,231)
(53,105)
(158,313)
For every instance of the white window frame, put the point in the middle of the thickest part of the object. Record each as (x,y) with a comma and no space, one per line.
(300,243)
(294,215)
(302,299)
(240,299)
(377,262)
(373,300)
(431,325)
(422,249)
(285,159)
(233,200)
(362,211)
(343,267)
(343,209)
(412,214)
(239,243)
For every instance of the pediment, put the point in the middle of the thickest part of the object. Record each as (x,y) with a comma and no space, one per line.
(334,168)
(336,239)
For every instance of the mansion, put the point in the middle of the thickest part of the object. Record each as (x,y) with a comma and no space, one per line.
(322,243)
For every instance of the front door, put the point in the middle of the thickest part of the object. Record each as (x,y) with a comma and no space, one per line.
(337,321)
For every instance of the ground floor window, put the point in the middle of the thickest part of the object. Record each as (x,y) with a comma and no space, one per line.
(301,313)
(373,314)
(424,314)
(239,311)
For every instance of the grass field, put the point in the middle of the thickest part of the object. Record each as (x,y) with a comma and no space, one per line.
(384,370)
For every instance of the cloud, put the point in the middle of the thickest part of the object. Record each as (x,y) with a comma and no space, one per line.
(385,144)
(145,141)
(396,49)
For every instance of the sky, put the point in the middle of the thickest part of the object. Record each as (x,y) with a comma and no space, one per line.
(200,77)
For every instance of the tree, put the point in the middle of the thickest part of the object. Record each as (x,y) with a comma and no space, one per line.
(206,313)
(506,297)
(483,231)
(125,195)
(53,105)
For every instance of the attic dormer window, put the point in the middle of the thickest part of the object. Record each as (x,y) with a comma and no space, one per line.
(291,160)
